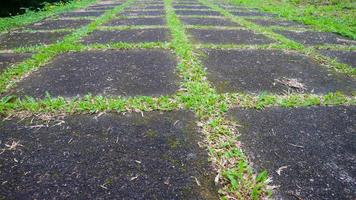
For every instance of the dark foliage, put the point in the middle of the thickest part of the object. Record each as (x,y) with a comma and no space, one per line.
(15,7)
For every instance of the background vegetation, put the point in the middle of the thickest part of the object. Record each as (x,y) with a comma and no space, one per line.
(15,7)
(46,9)
(337,16)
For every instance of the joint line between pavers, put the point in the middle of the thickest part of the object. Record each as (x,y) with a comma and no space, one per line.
(88,104)
(209,107)
(293,100)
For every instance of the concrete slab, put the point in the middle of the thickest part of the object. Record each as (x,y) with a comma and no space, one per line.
(347,57)
(131,35)
(256,71)
(137,21)
(207,21)
(197,12)
(58,24)
(109,73)
(82,14)
(148,6)
(99,8)
(309,152)
(315,38)
(187,3)
(191,7)
(142,13)
(276,22)
(154,156)
(8,59)
(227,36)
(23,39)
(240,13)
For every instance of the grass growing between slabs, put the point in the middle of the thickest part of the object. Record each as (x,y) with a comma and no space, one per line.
(98,46)
(237,177)
(331,16)
(289,100)
(286,43)
(233,171)
(28,106)
(33,16)
(46,53)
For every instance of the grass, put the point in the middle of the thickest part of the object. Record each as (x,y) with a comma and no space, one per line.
(11,105)
(286,43)
(338,17)
(234,173)
(289,100)
(33,16)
